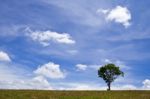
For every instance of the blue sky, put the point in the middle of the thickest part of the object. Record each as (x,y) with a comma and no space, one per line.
(60,44)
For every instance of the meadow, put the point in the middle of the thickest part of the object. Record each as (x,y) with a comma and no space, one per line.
(45,94)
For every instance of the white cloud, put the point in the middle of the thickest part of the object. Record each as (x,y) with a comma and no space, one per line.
(34,83)
(104,11)
(82,86)
(44,37)
(103,62)
(79,86)
(14,76)
(126,87)
(107,61)
(7,72)
(118,63)
(50,70)
(13,71)
(119,15)
(81,67)
(41,79)
(94,86)
(4,56)
(146,84)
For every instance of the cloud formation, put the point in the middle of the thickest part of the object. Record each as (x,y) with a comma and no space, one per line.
(119,63)
(96,86)
(50,70)
(4,56)
(119,15)
(146,84)
(44,37)
(38,82)
(86,32)
(81,67)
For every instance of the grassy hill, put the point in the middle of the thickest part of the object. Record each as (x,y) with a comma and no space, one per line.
(44,94)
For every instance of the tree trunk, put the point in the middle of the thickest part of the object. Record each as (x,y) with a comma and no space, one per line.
(109,84)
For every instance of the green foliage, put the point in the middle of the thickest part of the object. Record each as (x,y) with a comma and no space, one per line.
(109,73)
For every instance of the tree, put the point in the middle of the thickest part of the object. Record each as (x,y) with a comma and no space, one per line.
(109,73)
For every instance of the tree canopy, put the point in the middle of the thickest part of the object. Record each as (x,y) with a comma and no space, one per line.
(109,73)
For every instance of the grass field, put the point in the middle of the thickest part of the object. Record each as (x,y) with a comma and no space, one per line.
(42,94)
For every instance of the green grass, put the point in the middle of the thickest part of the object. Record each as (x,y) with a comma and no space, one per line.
(43,94)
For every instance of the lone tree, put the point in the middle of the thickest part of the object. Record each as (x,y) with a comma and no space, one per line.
(109,73)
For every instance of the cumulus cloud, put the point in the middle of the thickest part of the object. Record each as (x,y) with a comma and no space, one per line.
(119,15)
(81,67)
(50,70)
(38,82)
(44,37)
(4,56)
(146,84)
(14,76)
